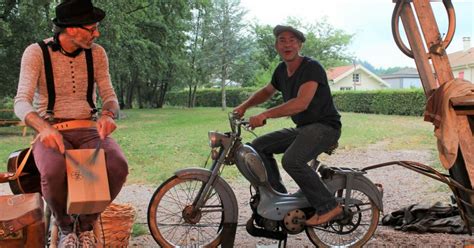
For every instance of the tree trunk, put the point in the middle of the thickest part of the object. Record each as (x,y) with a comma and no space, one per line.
(223,78)
(121,92)
(139,97)
(131,91)
(161,100)
(190,97)
(128,103)
(194,96)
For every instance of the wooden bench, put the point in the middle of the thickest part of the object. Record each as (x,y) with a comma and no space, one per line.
(19,123)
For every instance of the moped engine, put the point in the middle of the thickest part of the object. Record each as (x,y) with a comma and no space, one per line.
(260,227)
(294,221)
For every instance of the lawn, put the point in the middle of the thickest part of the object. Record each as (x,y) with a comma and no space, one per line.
(159,141)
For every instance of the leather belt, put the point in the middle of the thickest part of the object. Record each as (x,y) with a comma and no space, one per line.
(75,124)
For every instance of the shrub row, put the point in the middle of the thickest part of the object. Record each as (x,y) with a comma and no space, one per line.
(388,102)
(7,103)
(210,97)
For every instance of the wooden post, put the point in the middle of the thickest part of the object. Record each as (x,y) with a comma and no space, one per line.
(422,53)
(419,53)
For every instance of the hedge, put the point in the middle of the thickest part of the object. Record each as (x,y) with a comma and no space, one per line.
(210,97)
(387,102)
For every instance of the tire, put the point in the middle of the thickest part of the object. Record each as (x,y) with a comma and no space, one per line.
(353,229)
(166,214)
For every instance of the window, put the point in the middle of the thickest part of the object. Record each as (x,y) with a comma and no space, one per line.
(345,88)
(461,75)
(355,77)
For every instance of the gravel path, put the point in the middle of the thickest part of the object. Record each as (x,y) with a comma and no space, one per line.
(402,187)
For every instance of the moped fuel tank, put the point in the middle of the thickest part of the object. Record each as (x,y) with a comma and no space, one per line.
(250,165)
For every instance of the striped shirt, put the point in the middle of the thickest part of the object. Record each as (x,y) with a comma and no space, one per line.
(70,83)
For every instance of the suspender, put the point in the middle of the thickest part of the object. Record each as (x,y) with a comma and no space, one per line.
(48,69)
(90,79)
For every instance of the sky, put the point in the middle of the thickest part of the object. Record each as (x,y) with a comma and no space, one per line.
(368,20)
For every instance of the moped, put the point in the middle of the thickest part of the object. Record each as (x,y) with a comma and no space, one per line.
(197,208)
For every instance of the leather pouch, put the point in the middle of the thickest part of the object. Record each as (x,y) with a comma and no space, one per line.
(19,211)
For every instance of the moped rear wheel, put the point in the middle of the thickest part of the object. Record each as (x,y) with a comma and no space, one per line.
(354,228)
(172,220)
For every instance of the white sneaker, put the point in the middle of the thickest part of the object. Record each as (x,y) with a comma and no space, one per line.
(69,240)
(87,240)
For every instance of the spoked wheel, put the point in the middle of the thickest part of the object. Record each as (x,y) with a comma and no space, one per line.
(174,222)
(352,229)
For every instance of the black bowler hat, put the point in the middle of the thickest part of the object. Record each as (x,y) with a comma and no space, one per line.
(280,29)
(77,12)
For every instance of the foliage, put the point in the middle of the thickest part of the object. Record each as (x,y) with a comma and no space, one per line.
(325,43)
(387,102)
(158,46)
(6,104)
(210,97)
(228,42)
(16,32)
(264,76)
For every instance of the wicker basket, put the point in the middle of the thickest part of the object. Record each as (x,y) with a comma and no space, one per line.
(114,226)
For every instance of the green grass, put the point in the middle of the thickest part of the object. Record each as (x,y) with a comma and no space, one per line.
(157,142)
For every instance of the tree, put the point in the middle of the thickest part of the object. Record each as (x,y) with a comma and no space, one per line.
(16,32)
(145,41)
(200,68)
(325,43)
(225,40)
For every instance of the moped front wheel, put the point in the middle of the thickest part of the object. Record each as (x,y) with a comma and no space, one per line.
(352,229)
(174,222)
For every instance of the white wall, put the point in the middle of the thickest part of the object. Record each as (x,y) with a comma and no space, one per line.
(468,73)
(366,82)
(409,83)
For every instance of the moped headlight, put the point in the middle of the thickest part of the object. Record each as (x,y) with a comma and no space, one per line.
(214,139)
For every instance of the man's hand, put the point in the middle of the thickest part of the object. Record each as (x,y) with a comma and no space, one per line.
(257,120)
(51,138)
(239,111)
(105,126)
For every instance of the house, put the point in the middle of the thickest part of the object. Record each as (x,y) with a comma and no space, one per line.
(462,66)
(406,78)
(354,77)
(462,62)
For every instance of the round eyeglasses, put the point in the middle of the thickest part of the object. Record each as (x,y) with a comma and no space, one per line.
(90,30)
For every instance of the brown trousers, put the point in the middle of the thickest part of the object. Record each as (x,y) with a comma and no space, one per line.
(52,167)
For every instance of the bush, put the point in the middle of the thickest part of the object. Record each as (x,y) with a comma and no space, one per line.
(7,103)
(210,97)
(387,102)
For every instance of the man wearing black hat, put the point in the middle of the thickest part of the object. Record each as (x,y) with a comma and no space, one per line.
(308,101)
(61,76)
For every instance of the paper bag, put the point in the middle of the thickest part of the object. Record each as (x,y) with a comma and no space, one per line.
(88,188)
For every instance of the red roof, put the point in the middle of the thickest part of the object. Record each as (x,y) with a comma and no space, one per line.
(335,72)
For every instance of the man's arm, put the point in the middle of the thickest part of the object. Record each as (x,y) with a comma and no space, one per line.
(294,106)
(258,97)
(106,124)
(47,134)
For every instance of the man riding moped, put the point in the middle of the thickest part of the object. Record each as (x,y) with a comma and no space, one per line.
(308,101)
